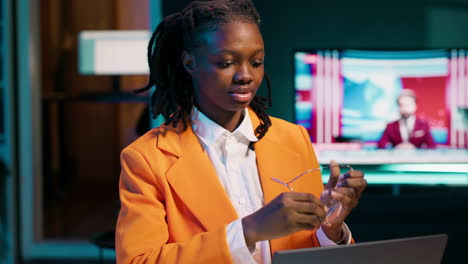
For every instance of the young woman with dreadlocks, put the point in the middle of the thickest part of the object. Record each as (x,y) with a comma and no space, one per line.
(199,188)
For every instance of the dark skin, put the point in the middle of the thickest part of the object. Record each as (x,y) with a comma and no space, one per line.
(227,70)
(291,212)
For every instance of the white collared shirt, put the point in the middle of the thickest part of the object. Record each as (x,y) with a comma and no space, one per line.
(406,127)
(236,167)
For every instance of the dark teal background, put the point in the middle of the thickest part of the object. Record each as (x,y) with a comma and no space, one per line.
(301,24)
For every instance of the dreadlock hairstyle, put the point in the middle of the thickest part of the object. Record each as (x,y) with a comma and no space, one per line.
(175,95)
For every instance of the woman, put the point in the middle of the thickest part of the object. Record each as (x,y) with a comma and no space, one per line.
(198,189)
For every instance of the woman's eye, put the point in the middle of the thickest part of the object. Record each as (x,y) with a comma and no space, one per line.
(225,64)
(257,63)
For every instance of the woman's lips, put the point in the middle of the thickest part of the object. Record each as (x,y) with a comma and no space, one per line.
(242,96)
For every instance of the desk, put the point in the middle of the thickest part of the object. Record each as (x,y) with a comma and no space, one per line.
(396,175)
(388,156)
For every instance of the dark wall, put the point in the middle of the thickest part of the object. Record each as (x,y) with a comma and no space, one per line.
(301,24)
(296,24)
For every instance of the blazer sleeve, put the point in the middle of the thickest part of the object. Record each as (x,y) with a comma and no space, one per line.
(142,232)
(385,139)
(429,140)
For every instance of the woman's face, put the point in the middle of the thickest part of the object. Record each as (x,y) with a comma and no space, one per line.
(226,69)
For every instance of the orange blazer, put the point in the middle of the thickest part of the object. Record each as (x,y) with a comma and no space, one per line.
(174,208)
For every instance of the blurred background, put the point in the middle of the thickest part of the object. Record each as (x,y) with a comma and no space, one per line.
(66,114)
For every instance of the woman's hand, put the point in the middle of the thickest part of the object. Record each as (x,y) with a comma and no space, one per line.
(287,213)
(346,189)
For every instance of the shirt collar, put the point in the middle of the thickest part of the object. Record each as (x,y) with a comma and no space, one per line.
(410,120)
(209,131)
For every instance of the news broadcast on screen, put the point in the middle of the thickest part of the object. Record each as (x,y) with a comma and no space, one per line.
(352,102)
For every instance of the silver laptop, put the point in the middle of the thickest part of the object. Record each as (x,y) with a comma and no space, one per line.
(412,250)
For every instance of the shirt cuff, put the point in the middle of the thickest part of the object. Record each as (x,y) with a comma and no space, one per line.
(236,243)
(326,242)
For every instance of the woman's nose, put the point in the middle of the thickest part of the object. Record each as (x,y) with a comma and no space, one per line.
(243,75)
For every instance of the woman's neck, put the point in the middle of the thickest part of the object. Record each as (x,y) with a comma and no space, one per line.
(229,120)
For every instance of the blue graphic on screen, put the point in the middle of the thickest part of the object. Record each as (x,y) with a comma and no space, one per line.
(303,82)
(366,105)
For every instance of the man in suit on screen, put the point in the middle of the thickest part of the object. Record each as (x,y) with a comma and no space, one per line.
(409,131)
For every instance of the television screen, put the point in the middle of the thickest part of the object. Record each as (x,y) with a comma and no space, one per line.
(348,100)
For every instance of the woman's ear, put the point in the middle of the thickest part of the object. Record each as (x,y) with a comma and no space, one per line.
(188,61)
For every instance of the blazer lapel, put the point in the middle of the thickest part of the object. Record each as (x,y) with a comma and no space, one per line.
(271,154)
(195,181)
(396,132)
(275,159)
